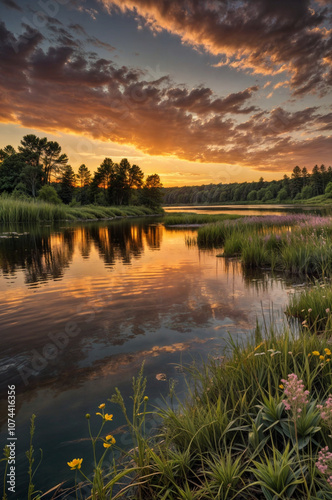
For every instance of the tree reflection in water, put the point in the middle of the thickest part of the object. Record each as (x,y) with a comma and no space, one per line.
(44,252)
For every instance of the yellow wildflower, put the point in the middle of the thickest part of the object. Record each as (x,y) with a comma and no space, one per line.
(110,438)
(107,445)
(76,463)
(328,360)
(146,398)
(101,406)
(309,354)
(98,413)
(281,386)
(321,358)
(316,353)
(327,351)
(108,417)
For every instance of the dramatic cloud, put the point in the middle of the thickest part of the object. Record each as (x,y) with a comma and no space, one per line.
(62,88)
(262,36)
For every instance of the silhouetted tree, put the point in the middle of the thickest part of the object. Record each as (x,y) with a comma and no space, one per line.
(10,171)
(67,184)
(151,193)
(84,180)
(31,177)
(43,154)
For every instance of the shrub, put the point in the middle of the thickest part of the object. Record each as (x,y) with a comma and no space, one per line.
(328,190)
(49,194)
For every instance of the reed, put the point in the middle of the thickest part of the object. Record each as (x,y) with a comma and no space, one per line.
(184,219)
(313,306)
(295,244)
(12,211)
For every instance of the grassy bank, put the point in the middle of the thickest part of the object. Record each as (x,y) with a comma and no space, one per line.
(30,212)
(313,306)
(254,426)
(297,244)
(181,219)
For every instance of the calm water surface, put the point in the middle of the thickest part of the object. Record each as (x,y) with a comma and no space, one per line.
(249,209)
(127,292)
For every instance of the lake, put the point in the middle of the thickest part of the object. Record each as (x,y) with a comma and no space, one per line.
(84,304)
(249,209)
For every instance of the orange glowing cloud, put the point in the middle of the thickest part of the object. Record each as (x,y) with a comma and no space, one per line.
(82,94)
(275,37)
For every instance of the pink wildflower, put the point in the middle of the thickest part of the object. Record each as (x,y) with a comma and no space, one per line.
(326,411)
(324,464)
(295,396)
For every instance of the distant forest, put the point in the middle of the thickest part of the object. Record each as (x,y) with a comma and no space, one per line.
(301,185)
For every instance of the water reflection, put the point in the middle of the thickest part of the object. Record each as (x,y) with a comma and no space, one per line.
(41,254)
(44,254)
(108,296)
(250,209)
(124,290)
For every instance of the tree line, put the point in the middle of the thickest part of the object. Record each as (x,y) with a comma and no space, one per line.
(301,185)
(39,169)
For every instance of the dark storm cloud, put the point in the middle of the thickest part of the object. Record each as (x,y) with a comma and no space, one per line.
(262,36)
(62,88)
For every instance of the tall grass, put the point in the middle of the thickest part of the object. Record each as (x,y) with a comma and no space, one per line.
(238,439)
(30,212)
(23,211)
(233,437)
(196,219)
(313,306)
(296,244)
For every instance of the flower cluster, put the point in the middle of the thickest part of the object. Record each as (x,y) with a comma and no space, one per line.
(103,415)
(326,412)
(295,396)
(109,440)
(323,357)
(324,463)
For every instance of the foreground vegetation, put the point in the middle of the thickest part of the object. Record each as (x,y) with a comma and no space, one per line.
(256,425)
(31,212)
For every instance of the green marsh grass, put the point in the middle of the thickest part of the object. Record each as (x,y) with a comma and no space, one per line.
(12,211)
(294,244)
(195,219)
(232,438)
(313,306)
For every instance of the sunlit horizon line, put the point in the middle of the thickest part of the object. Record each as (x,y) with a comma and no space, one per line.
(141,155)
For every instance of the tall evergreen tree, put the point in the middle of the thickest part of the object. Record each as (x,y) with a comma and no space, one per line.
(84,181)
(67,184)
(151,194)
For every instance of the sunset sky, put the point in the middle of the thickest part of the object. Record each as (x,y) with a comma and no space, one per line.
(197,91)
